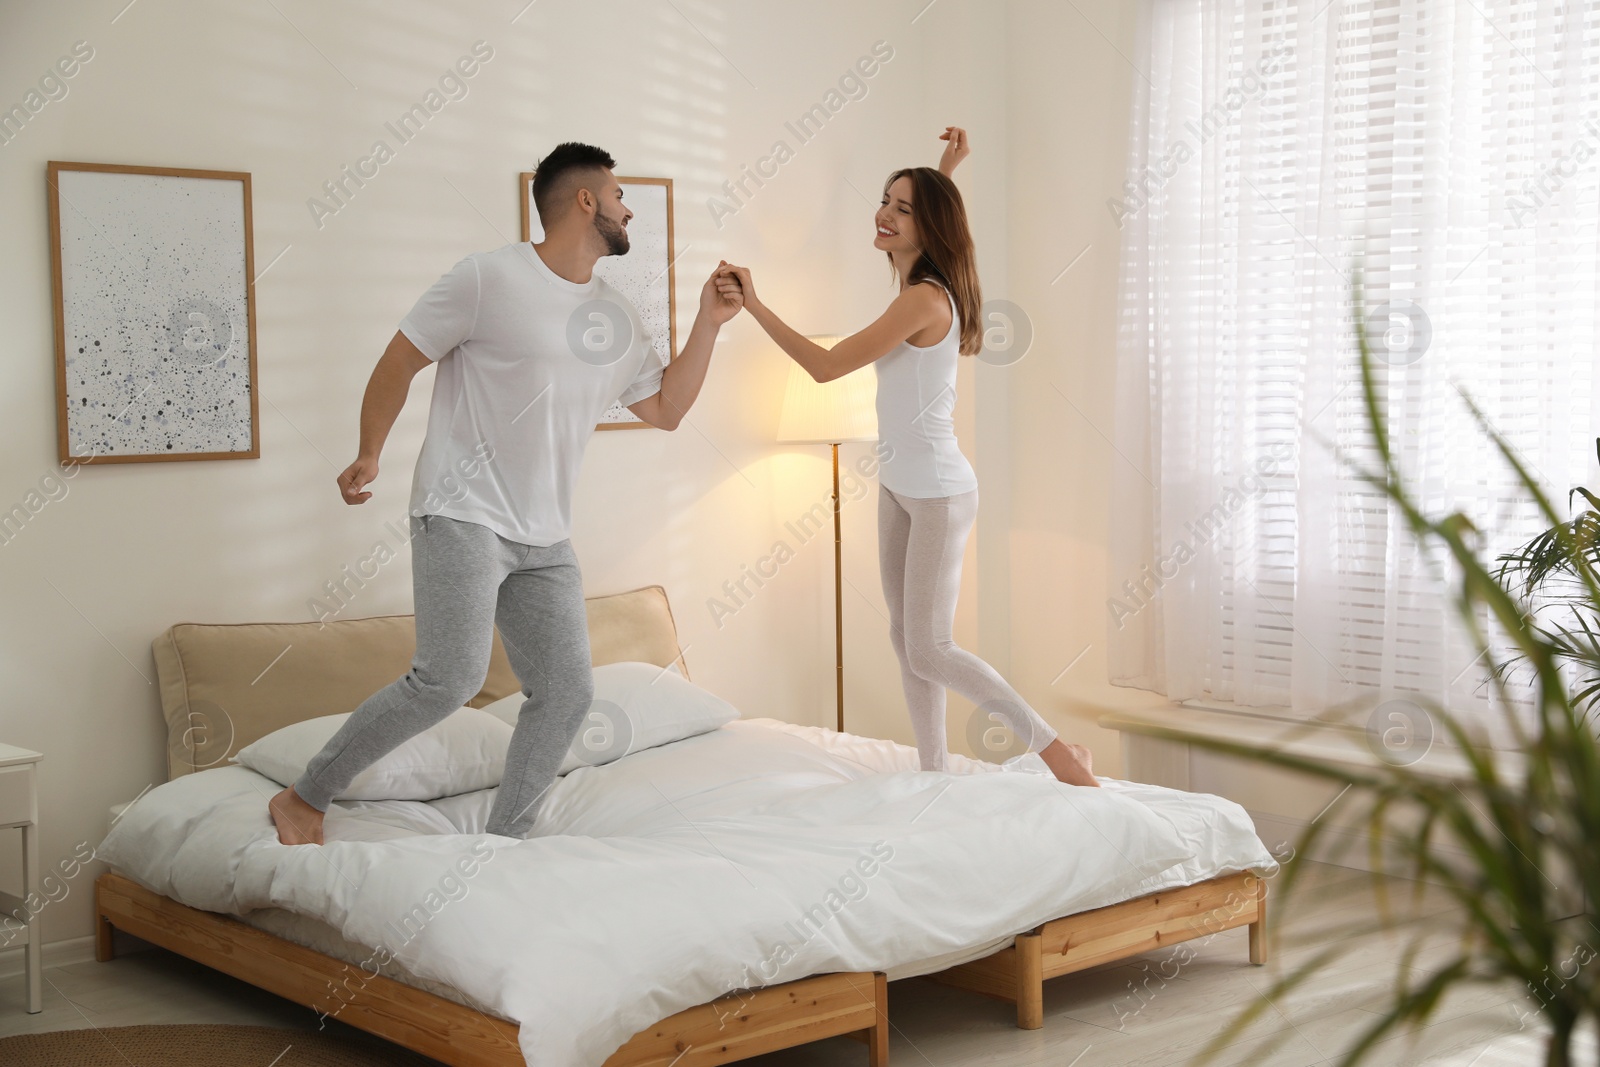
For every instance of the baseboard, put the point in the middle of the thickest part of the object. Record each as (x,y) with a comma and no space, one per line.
(56,954)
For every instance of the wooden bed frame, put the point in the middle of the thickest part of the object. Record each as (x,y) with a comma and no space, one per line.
(1105,935)
(204,669)
(733,1027)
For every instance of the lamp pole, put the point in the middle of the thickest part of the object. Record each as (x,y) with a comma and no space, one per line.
(838,589)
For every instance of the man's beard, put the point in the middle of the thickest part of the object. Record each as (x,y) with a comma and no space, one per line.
(614,234)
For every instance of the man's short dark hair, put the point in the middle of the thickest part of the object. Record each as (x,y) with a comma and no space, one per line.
(562,161)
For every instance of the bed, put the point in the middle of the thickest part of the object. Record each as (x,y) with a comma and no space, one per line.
(650,920)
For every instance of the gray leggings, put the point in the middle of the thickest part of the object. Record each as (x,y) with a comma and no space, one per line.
(466,579)
(920,544)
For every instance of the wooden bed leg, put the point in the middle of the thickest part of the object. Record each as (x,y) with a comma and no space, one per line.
(878,1036)
(1072,943)
(1030,981)
(104,950)
(1258,929)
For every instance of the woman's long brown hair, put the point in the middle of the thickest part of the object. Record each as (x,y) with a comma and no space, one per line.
(948,256)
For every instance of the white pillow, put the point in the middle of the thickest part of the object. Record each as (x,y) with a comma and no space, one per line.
(636,706)
(466,751)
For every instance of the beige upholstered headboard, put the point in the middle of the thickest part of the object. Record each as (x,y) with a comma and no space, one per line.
(224,686)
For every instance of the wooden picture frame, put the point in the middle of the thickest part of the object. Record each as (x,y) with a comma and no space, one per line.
(123,288)
(636,279)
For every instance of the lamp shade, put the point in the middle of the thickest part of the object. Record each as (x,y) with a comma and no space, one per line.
(829,412)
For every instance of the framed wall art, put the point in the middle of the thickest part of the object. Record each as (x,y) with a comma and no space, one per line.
(644,275)
(154,313)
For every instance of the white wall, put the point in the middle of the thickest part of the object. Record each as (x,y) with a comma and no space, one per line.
(291,98)
(1070,91)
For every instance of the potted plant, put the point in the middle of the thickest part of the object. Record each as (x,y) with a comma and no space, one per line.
(1545,574)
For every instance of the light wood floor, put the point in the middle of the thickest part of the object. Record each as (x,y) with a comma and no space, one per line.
(1093,1019)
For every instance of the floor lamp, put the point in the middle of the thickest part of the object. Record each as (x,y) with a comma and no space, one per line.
(831,413)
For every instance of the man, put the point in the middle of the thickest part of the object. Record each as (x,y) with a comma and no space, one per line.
(531,349)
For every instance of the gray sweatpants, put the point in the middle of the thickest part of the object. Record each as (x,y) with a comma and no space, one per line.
(466,579)
(920,544)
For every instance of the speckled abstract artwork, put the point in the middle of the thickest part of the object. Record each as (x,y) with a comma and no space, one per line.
(155,320)
(641,275)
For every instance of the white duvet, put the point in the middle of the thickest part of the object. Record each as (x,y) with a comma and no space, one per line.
(758,853)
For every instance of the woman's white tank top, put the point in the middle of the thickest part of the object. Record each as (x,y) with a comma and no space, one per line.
(916,409)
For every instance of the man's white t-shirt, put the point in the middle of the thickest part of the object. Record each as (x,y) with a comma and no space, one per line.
(527,362)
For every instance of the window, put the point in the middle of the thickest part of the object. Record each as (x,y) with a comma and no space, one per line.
(1447,153)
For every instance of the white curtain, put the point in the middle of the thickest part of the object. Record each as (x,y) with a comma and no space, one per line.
(1450,150)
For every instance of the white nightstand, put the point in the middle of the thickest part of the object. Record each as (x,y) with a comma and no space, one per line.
(19,807)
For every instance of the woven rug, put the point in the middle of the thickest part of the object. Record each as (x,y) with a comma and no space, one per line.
(201,1046)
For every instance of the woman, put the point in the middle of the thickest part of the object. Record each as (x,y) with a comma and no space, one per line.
(928,494)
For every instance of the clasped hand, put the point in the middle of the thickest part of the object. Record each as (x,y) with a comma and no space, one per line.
(733,282)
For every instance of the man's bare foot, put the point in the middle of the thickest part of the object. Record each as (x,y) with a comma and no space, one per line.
(1072,764)
(298,822)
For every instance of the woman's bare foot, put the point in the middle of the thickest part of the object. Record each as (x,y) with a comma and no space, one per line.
(1072,764)
(298,822)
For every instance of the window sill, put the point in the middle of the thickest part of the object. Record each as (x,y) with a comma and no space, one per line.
(1180,724)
